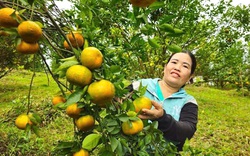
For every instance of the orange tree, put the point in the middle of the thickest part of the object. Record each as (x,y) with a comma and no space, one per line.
(98,91)
(134,42)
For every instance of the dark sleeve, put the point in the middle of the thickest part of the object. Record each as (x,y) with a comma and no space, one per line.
(179,131)
(130,88)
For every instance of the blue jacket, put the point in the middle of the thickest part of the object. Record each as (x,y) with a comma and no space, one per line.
(172,104)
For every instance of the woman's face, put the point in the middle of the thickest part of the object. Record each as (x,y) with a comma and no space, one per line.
(178,70)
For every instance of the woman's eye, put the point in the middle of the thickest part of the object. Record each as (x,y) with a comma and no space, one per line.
(185,66)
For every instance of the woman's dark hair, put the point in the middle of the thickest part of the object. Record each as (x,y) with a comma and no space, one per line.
(193,59)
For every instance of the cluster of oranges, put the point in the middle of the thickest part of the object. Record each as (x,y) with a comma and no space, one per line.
(29,31)
(136,126)
(101,91)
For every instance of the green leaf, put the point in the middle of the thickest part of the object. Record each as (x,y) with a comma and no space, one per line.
(97,75)
(114,143)
(39,23)
(73,98)
(174,48)
(125,143)
(62,73)
(167,27)
(91,141)
(134,118)
(142,90)
(156,5)
(148,139)
(173,35)
(123,117)
(37,117)
(115,68)
(86,43)
(126,82)
(64,145)
(116,130)
(112,122)
(135,39)
(105,1)
(153,43)
(178,31)
(155,125)
(105,152)
(31,2)
(35,130)
(66,65)
(119,149)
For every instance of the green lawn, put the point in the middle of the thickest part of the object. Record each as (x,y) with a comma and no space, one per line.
(224,122)
(223,128)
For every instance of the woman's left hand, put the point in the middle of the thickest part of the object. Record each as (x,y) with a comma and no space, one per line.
(152,114)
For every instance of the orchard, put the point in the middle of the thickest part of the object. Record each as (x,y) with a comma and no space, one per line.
(95,49)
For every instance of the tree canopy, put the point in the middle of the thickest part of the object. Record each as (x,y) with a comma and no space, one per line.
(141,39)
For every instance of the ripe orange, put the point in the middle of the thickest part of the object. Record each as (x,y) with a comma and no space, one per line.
(85,123)
(58,99)
(92,58)
(27,48)
(22,120)
(101,92)
(142,102)
(82,152)
(6,20)
(29,31)
(76,40)
(141,3)
(132,127)
(79,75)
(73,111)
(66,45)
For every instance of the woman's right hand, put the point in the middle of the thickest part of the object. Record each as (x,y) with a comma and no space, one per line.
(152,114)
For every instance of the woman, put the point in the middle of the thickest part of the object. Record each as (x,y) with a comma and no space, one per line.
(174,109)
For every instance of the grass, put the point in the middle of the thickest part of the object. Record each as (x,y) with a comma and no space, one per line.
(223,127)
(56,125)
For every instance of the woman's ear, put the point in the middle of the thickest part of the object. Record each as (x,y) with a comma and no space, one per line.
(191,79)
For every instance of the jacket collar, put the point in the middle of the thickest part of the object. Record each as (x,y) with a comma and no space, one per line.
(152,89)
